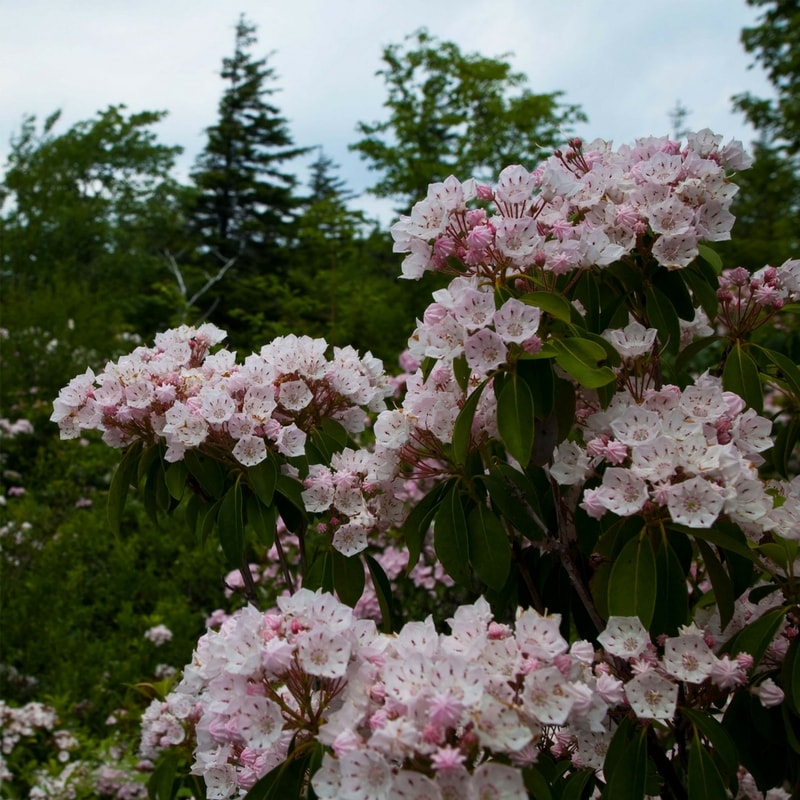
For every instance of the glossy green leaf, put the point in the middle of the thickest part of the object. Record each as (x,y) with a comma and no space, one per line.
(627,752)
(726,539)
(756,637)
(207,519)
(489,548)
(704,292)
(515,418)
(672,593)
(418,522)
(633,580)
(230,523)
(289,499)
(124,475)
(451,538)
(580,358)
(208,474)
(348,577)
(261,518)
(536,784)
(541,382)
(176,476)
(724,748)
(740,375)
(788,371)
(790,672)
(511,504)
(671,284)
(161,783)
(662,316)
(711,257)
(262,479)
(553,304)
(720,582)
(462,372)
(785,444)
(703,777)
(284,782)
(383,590)
(575,785)
(462,430)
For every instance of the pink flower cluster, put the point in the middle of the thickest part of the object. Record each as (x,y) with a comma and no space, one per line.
(587,206)
(693,452)
(745,298)
(420,711)
(182,392)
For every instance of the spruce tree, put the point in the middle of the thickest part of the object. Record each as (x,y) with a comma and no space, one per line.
(244,206)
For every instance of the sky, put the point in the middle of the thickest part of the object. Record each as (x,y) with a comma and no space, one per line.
(627,63)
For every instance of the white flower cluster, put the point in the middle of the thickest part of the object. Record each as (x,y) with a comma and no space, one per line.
(693,452)
(180,391)
(587,206)
(421,712)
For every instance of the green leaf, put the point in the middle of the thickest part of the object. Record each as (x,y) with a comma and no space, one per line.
(575,785)
(671,284)
(536,784)
(450,536)
(383,590)
(230,523)
(541,382)
(462,430)
(124,475)
(289,498)
(633,580)
(515,418)
(489,548)
(790,675)
(727,540)
(511,504)
(711,257)
(262,479)
(720,582)
(284,782)
(788,371)
(161,782)
(704,779)
(740,375)
(207,519)
(703,289)
(580,358)
(756,637)
(261,518)
(723,746)
(785,443)
(209,474)
(553,304)
(661,314)
(320,573)
(417,523)
(462,372)
(672,593)
(348,577)
(176,475)
(628,777)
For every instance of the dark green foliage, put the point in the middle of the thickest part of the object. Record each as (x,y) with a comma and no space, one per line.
(95,206)
(773,42)
(77,600)
(455,113)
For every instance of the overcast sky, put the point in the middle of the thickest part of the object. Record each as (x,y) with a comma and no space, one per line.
(626,62)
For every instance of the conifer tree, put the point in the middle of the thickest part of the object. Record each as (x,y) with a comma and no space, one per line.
(245,202)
